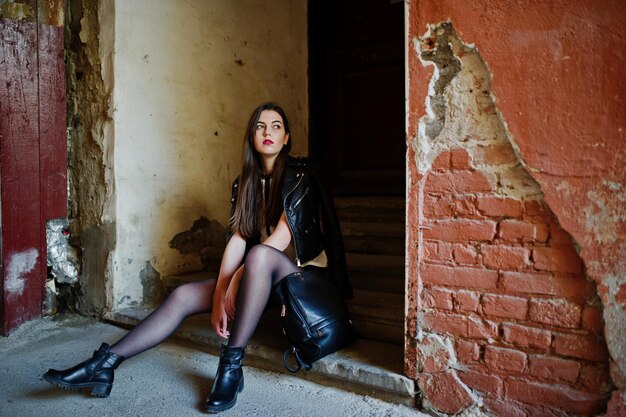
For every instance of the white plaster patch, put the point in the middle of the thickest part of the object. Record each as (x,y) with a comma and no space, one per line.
(20,264)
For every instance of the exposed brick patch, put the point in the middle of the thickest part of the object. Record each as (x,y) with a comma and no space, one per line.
(520,231)
(499,207)
(555,396)
(459,182)
(580,346)
(445,392)
(436,207)
(617,405)
(442,162)
(435,297)
(505,359)
(434,354)
(555,369)
(446,323)
(461,231)
(487,383)
(438,251)
(526,337)
(538,212)
(481,328)
(558,313)
(505,408)
(595,378)
(505,306)
(558,236)
(430,249)
(494,154)
(467,301)
(460,325)
(557,260)
(459,159)
(464,254)
(465,207)
(575,288)
(504,257)
(459,276)
(466,351)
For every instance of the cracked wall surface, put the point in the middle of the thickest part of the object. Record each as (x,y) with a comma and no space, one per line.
(468,146)
(155,141)
(90,143)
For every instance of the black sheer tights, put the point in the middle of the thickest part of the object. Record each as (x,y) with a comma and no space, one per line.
(184,301)
(264,267)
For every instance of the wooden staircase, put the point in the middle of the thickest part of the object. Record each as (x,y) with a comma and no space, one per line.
(373,230)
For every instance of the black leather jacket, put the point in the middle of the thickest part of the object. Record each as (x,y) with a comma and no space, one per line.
(312,218)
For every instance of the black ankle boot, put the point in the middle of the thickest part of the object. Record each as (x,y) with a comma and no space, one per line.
(95,373)
(228,380)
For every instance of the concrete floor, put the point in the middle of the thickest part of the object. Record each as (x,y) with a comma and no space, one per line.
(172,379)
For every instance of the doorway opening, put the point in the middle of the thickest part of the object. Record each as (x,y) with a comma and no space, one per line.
(357,133)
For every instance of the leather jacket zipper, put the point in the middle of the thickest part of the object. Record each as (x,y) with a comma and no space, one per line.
(295,243)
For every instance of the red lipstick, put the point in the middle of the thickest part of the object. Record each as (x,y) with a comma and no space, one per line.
(267,142)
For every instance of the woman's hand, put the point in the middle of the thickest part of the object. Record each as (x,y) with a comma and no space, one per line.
(219,319)
(230,300)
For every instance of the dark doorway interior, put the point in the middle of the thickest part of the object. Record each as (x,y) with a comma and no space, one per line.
(357,118)
(356,90)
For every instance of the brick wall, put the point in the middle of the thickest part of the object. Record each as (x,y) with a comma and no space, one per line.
(502,245)
(504,283)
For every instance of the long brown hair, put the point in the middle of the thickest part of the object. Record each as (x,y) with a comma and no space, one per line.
(250,212)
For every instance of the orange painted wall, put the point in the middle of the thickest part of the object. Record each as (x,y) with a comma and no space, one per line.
(557,69)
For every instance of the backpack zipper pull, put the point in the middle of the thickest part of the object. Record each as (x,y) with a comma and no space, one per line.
(283,311)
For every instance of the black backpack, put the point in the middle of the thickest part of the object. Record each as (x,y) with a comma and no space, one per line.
(315,318)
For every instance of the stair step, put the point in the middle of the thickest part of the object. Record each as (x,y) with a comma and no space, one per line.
(367,367)
(373,230)
(382,306)
(368,202)
(377,282)
(378,315)
(375,246)
(375,264)
(371,210)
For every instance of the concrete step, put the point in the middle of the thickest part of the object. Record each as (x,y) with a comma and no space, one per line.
(367,367)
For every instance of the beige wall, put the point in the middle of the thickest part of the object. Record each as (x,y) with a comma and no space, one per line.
(186,77)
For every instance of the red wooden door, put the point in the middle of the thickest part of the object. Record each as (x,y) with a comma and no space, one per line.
(33,154)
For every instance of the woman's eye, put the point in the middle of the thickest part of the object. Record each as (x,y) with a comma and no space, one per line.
(277,127)
(259,126)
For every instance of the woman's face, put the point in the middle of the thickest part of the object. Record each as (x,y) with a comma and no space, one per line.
(269,134)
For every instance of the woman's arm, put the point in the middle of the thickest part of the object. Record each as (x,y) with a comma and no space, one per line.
(231,260)
(281,236)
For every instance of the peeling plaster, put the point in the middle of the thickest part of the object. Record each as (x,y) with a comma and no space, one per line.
(206,238)
(153,287)
(461,113)
(19,265)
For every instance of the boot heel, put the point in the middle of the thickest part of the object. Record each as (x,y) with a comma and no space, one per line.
(101,390)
